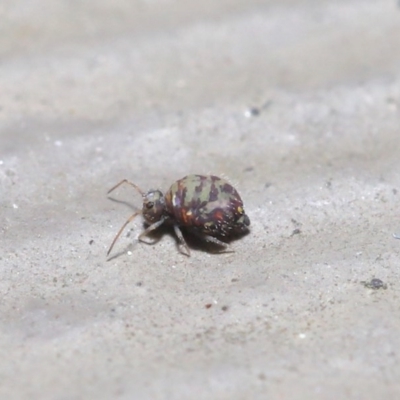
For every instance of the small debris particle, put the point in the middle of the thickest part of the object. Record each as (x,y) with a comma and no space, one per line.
(249,169)
(234,280)
(302,335)
(91,242)
(224,308)
(58,143)
(252,112)
(396,235)
(209,305)
(375,284)
(296,231)
(139,283)
(15,206)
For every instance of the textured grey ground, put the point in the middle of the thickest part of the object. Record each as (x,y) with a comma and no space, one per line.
(93,92)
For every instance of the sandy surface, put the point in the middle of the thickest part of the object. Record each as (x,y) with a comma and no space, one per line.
(296,102)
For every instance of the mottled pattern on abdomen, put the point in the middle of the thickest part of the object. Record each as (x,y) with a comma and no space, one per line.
(206,204)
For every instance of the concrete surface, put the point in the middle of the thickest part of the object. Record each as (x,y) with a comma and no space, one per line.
(296,102)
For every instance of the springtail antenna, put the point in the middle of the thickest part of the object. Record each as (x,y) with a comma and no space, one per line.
(129,183)
(131,217)
(122,228)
